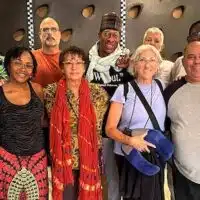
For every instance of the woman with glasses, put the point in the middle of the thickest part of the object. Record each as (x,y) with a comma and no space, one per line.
(76,109)
(128,113)
(23,161)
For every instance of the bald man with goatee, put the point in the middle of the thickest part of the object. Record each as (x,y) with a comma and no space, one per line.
(48,70)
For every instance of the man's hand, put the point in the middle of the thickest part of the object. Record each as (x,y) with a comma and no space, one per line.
(123,61)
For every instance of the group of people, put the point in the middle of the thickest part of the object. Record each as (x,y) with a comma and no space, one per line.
(83,112)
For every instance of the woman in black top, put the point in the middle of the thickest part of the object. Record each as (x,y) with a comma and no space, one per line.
(23,161)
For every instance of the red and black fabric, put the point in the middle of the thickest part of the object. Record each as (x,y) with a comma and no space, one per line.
(23,177)
(60,145)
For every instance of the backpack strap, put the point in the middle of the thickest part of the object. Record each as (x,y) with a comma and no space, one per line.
(125,91)
(126,88)
(159,85)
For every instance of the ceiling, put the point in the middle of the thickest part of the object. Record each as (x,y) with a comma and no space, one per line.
(13,17)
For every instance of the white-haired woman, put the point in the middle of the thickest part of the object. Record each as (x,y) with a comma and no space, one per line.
(130,113)
(155,37)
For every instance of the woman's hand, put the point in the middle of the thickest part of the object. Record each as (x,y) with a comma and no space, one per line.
(2,82)
(140,144)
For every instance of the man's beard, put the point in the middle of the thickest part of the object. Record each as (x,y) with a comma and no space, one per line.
(50,43)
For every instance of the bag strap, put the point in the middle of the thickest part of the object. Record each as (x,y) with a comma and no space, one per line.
(146,105)
(126,88)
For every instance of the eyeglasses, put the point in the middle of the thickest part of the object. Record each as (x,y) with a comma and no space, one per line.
(70,64)
(107,34)
(21,65)
(145,60)
(52,30)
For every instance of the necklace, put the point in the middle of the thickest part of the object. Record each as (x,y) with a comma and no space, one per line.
(134,104)
(150,104)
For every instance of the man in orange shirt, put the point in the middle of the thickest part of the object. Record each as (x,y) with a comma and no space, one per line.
(48,70)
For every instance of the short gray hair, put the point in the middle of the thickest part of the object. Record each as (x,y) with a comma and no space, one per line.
(136,55)
(154,30)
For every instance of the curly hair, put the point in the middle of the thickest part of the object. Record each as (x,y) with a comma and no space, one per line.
(15,53)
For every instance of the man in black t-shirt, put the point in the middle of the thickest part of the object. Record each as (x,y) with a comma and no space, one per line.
(107,67)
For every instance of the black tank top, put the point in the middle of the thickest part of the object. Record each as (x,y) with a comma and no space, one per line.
(20,125)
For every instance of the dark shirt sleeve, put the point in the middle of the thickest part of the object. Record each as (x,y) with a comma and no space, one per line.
(168,92)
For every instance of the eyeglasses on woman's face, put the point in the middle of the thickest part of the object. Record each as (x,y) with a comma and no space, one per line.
(19,64)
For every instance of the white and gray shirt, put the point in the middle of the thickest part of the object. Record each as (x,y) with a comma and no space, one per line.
(183,111)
